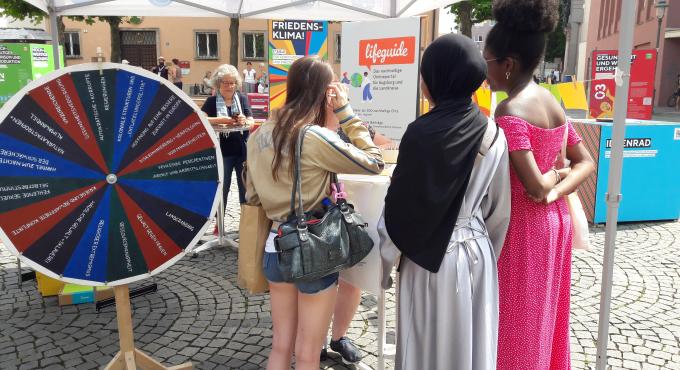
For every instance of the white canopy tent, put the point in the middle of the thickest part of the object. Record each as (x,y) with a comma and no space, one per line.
(357,10)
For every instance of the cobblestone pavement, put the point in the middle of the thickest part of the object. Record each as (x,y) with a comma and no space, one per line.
(198,314)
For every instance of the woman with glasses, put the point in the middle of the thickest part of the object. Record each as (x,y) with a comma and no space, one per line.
(534,268)
(229,107)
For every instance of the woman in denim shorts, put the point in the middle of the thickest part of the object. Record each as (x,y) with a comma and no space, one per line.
(301,311)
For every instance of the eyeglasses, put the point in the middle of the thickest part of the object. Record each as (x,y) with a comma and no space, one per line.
(228,83)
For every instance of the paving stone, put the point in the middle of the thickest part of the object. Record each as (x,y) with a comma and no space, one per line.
(199,314)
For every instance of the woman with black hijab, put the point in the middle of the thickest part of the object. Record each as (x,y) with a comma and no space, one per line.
(447,211)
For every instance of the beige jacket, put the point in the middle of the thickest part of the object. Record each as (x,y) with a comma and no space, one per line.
(323,152)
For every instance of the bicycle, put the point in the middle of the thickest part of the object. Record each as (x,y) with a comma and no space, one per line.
(673,99)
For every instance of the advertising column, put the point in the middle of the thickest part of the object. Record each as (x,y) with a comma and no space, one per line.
(603,86)
(290,40)
(380,65)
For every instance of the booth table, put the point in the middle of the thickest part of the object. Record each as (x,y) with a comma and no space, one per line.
(367,194)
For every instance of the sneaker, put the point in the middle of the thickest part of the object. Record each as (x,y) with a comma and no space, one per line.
(350,354)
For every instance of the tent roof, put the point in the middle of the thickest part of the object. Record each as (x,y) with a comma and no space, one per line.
(339,10)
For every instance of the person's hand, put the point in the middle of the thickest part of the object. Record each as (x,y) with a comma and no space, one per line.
(552,196)
(223,121)
(241,120)
(337,93)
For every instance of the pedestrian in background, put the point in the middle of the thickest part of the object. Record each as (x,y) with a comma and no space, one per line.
(534,267)
(161,69)
(249,79)
(176,77)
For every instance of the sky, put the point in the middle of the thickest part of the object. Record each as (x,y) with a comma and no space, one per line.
(446,22)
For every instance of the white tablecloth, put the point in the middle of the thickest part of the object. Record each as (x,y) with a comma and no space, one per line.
(367,194)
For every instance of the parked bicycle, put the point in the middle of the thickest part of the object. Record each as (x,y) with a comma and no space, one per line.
(672,100)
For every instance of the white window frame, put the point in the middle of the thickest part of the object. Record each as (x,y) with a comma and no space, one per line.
(264,45)
(207,56)
(68,35)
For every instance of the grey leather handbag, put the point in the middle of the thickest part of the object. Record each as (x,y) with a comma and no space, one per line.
(310,248)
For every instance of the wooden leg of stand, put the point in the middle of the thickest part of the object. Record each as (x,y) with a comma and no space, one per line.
(147,363)
(129,358)
(116,363)
(124,315)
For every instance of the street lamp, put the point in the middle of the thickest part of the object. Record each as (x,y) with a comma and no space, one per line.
(661,6)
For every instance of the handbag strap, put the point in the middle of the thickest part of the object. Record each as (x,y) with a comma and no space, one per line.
(563,151)
(297,181)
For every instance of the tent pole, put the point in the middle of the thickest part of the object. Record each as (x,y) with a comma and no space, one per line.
(54,30)
(613,196)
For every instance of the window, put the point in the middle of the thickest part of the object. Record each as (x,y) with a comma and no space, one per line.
(338,49)
(253,45)
(480,38)
(71,45)
(206,45)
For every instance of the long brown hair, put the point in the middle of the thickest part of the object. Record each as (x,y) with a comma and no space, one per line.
(308,80)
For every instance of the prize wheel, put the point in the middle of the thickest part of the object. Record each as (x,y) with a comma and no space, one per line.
(108,173)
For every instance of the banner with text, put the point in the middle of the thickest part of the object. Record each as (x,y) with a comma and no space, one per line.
(603,86)
(380,65)
(289,41)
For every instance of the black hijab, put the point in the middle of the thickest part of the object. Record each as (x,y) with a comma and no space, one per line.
(437,153)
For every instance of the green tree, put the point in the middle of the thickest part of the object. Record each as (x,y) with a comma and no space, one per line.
(233,41)
(557,39)
(22,10)
(470,12)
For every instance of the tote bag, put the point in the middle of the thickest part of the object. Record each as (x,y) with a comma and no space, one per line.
(581,235)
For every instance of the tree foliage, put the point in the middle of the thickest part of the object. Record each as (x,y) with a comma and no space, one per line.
(557,39)
(21,10)
(470,12)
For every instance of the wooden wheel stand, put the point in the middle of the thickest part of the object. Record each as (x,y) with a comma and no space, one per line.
(129,357)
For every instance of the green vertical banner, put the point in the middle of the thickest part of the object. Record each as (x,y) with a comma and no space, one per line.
(15,69)
(21,64)
(42,60)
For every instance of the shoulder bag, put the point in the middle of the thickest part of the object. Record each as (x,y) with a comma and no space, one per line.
(310,248)
(580,233)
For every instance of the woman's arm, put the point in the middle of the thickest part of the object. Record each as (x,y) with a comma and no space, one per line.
(582,166)
(382,140)
(362,156)
(536,184)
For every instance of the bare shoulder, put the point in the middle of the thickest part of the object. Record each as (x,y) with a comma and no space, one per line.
(535,105)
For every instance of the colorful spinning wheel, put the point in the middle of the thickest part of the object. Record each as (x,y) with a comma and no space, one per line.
(107,175)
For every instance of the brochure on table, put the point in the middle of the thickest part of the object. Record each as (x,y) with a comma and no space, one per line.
(380,66)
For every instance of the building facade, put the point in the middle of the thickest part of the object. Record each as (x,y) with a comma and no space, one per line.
(603,34)
(480,31)
(203,42)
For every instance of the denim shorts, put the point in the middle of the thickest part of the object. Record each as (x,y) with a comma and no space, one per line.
(270,262)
